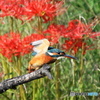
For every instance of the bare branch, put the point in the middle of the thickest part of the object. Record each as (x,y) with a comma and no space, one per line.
(13,82)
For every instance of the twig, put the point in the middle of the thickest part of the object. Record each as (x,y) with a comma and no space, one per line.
(13,82)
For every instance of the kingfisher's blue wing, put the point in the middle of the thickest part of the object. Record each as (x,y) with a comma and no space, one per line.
(40,46)
(34,53)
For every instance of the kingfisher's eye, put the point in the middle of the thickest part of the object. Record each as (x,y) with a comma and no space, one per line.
(61,53)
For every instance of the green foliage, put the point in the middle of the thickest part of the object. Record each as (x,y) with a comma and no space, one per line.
(69,75)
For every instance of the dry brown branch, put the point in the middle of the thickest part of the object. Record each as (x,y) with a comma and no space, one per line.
(13,82)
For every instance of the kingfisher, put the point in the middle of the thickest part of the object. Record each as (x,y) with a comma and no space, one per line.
(44,54)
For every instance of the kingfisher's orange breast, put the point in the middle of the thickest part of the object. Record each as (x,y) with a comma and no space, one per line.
(40,60)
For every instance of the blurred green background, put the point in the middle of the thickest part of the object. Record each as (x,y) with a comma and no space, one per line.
(68,75)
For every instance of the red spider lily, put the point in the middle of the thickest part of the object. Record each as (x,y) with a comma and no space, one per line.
(75,45)
(95,34)
(32,37)
(11,44)
(10,8)
(26,9)
(77,32)
(43,8)
(14,8)
(54,33)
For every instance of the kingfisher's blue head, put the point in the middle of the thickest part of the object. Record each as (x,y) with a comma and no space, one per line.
(57,54)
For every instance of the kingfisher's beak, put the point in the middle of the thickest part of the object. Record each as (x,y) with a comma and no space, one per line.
(69,56)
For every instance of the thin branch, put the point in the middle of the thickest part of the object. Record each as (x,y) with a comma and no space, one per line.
(13,82)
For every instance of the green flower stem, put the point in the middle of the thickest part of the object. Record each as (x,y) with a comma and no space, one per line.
(57,88)
(81,69)
(22,93)
(4,66)
(21,88)
(34,84)
(11,21)
(39,25)
(73,70)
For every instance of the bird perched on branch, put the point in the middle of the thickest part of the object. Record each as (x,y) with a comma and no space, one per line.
(43,54)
